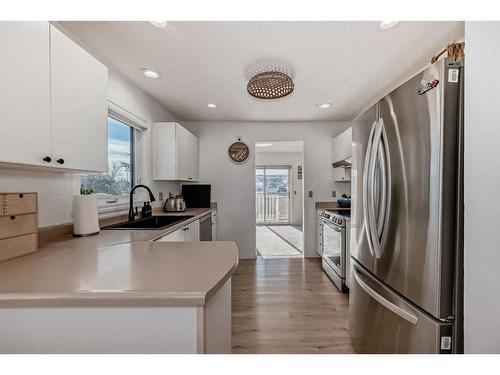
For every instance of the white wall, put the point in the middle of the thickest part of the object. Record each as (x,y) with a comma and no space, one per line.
(56,190)
(482,184)
(342,149)
(132,98)
(233,186)
(294,159)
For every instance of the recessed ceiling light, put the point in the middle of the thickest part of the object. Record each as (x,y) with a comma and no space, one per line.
(263,144)
(388,24)
(324,105)
(160,24)
(212,105)
(150,73)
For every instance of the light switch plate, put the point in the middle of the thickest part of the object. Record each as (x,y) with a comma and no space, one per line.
(160,195)
(310,193)
(334,193)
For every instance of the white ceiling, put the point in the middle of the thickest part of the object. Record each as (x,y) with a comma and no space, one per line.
(282,146)
(349,64)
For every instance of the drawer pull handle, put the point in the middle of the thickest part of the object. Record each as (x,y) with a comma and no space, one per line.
(21,195)
(60,161)
(47,159)
(12,218)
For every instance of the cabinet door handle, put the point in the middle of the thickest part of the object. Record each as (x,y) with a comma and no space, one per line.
(60,161)
(190,178)
(47,159)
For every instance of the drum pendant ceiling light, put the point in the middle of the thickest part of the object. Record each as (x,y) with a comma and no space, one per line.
(273,83)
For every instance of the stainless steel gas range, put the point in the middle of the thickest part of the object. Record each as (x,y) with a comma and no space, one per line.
(334,253)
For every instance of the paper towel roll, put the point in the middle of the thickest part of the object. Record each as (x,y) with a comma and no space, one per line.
(85,219)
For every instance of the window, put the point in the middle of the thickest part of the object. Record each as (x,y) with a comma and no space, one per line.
(120,177)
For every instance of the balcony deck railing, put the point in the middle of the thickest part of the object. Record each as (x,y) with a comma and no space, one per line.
(272,208)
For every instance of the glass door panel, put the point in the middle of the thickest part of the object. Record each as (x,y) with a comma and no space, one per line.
(272,195)
(259,195)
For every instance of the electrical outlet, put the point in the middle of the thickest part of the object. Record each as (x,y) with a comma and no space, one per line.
(310,193)
(334,193)
(160,195)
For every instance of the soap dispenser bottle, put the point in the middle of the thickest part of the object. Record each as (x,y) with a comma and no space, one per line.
(146,210)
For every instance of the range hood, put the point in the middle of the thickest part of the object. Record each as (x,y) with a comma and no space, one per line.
(345,163)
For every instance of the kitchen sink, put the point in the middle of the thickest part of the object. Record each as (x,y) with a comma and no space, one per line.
(153,222)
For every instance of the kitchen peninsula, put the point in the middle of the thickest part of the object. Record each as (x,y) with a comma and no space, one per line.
(118,292)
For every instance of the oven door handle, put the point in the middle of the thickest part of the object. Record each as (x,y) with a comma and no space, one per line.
(384,302)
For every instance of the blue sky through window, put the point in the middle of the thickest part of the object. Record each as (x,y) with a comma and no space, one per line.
(118,180)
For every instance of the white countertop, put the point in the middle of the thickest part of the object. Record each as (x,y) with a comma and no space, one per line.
(120,267)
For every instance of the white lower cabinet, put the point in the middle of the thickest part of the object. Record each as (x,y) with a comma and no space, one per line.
(178,235)
(190,232)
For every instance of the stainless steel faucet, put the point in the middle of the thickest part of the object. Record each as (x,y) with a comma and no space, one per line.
(131,216)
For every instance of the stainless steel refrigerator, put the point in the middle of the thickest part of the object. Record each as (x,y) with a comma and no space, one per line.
(406,272)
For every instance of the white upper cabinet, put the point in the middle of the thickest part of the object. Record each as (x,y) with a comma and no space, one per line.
(24,93)
(175,153)
(341,174)
(53,100)
(79,92)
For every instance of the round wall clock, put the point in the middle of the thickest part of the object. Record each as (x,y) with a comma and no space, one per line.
(238,152)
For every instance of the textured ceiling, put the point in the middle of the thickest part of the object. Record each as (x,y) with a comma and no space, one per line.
(348,64)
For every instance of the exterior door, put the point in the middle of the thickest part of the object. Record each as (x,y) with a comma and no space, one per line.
(272,194)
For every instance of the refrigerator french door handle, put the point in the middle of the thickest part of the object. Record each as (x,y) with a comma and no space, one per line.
(372,220)
(366,166)
(384,302)
(383,190)
(387,185)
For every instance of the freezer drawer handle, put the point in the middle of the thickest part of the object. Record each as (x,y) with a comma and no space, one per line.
(389,305)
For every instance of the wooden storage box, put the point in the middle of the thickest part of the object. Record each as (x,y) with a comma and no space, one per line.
(18,224)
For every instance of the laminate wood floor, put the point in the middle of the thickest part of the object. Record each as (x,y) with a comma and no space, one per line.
(287,306)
